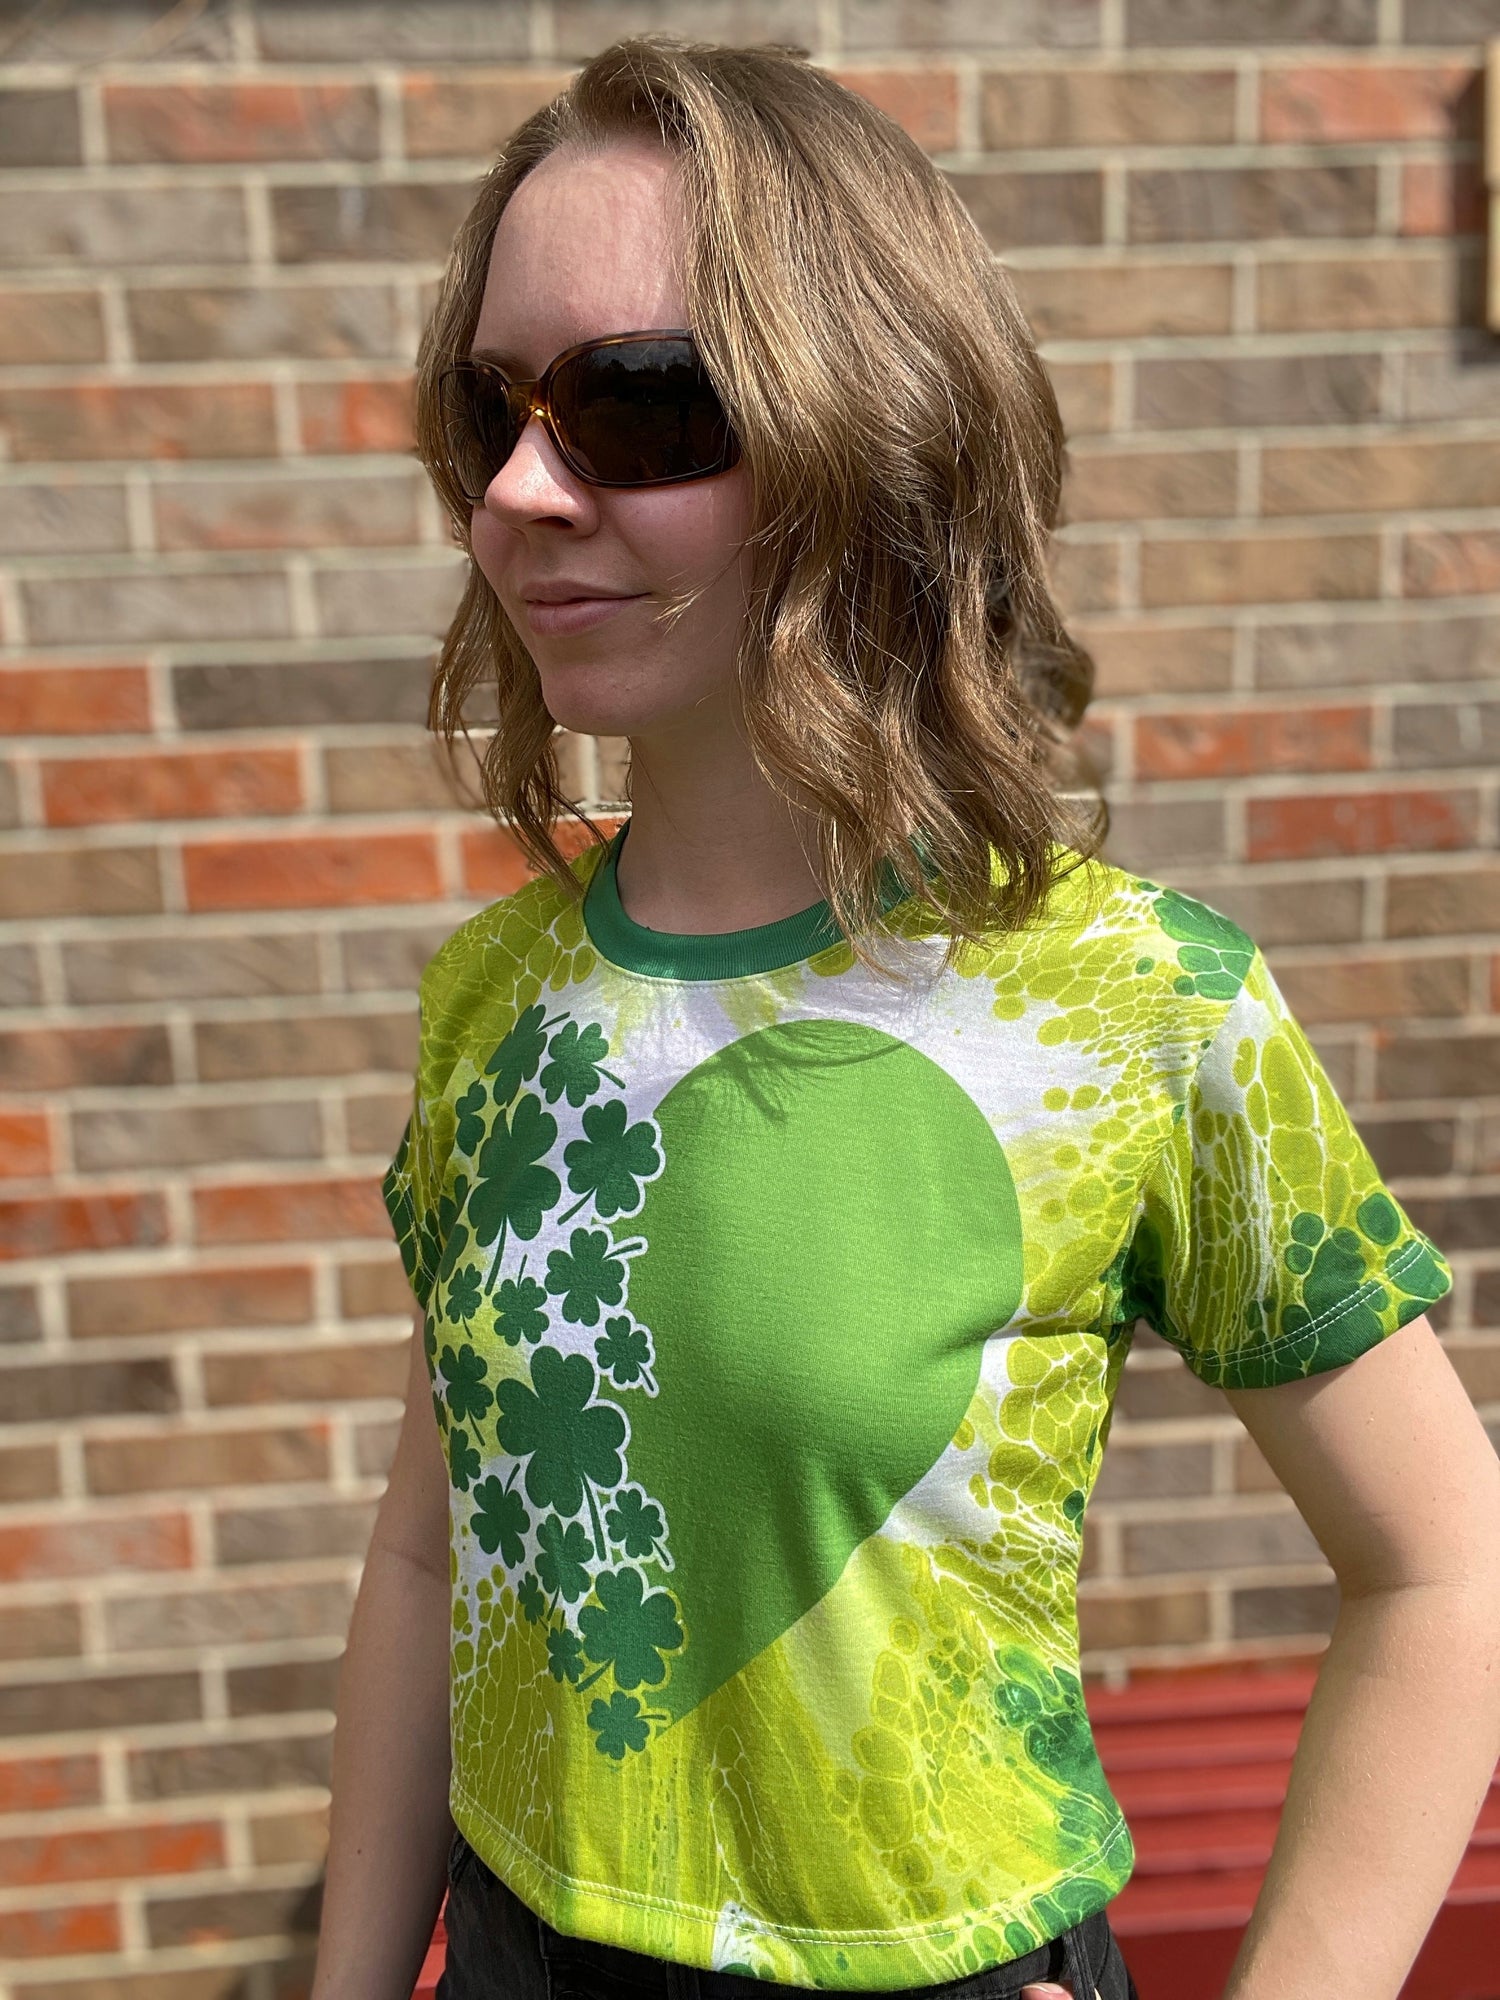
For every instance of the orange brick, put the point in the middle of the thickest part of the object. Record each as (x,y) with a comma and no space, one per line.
(1438,563)
(1443,198)
(287,1211)
(108,1853)
(199,784)
(1366,101)
(25,1144)
(1384,822)
(366,415)
(53,1225)
(241,121)
(67,700)
(35,1550)
(316,871)
(64,1931)
(922,101)
(493,865)
(140,420)
(45,1784)
(1233,743)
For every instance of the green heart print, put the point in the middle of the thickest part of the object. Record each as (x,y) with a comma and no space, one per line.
(834,1235)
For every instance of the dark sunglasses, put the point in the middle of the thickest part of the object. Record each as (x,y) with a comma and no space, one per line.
(630,409)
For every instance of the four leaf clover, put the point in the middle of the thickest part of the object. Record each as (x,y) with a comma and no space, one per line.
(585,1276)
(611,1161)
(630,1628)
(500,1521)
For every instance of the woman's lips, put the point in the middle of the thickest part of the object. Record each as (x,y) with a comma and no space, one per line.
(576,615)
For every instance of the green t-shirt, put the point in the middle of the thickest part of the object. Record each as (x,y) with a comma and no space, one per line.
(775,1312)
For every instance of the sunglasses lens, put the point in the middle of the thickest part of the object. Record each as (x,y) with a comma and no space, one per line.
(479,426)
(638,412)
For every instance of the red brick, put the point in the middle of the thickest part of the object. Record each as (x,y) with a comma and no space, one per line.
(198,1299)
(67,1930)
(1443,198)
(51,327)
(924,102)
(197,784)
(289,1211)
(451,115)
(316,871)
(32,1551)
(363,415)
(1235,743)
(1341,102)
(1437,562)
(76,1058)
(48,1784)
(140,420)
(67,700)
(241,121)
(108,1853)
(25,1144)
(53,1225)
(1384,822)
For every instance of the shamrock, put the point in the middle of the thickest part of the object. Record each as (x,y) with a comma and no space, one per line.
(440,1411)
(429,1340)
(619,1725)
(630,1628)
(564,1654)
(513,1191)
(568,1439)
(585,1276)
(520,1311)
(464,1293)
(468,1394)
(500,1521)
(576,1062)
(470,1128)
(463,1461)
(635,1521)
(515,1061)
(611,1162)
(450,1238)
(624,1351)
(533,1604)
(564,1552)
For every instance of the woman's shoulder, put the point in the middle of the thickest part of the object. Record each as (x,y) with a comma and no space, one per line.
(532,937)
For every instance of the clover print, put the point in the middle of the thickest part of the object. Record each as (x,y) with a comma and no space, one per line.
(464,1293)
(635,1522)
(576,1065)
(451,1237)
(564,1654)
(564,1552)
(624,1351)
(629,1628)
(469,1396)
(611,1161)
(585,1276)
(516,1060)
(463,1461)
(618,1725)
(513,1192)
(470,1128)
(533,1604)
(572,1443)
(520,1310)
(500,1521)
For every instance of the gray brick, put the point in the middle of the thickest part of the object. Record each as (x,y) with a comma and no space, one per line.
(201,965)
(1456,1222)
(1446,1065)
(293,1533)
(1184,23)
(1449,22)
(1274,1609)
(192,1769)
(1225,1541)
(1153,1471)
(307,1045)
(236,604)
(232,1615)
(20,976)
(583,27)
(968,24)
(39,128)
(51,325)
(391,957)
(403,776)
(1194,391)
(98,30)
(1037,210)
(1156,833)
(1461,379)
(1446,733)
(409,220)
(383,598)
(261,321)
(20,1315)
(63,516)
(1410,1146)
(10,803)
(1235,204)
(1084,107)
(301,694)
(1374,651)
(1315,909)
(1453,901)
(359,30)
(191,1135)
(109,227)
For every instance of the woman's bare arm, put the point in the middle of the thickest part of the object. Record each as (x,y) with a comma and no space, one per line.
(390,1825)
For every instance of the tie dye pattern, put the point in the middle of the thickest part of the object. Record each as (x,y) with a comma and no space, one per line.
(774,1322)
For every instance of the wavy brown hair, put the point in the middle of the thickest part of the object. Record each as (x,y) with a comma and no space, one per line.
(904,672)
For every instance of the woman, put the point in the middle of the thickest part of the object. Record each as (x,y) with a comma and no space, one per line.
(784,1179)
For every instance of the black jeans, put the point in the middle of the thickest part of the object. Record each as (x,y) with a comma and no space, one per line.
(499,1949)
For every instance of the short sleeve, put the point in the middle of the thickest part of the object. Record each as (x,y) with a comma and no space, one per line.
(1267,1247)
(406,1190)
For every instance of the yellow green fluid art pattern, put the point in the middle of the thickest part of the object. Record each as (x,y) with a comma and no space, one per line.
(774,1314)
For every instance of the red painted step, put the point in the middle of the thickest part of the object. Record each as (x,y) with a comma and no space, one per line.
(1199,1760)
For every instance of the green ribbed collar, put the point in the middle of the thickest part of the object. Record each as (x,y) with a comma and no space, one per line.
(706,954)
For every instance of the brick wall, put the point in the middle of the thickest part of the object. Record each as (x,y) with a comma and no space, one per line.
(1249,238)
